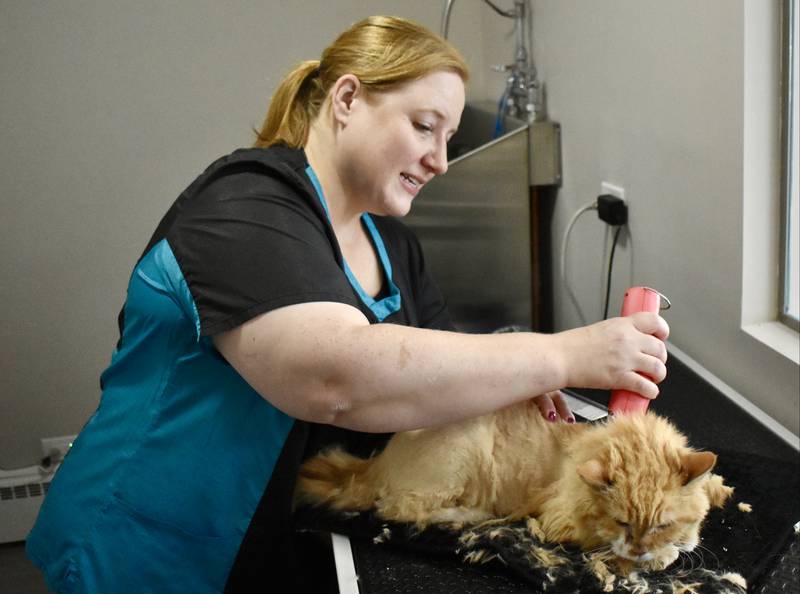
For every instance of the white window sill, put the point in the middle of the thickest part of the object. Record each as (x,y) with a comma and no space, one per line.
(778,337)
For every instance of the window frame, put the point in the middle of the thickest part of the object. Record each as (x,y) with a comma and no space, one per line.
(788,120)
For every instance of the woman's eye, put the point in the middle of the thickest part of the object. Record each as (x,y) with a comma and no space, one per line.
(423,127)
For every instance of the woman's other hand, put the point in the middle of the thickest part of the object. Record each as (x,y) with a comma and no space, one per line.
(553,407)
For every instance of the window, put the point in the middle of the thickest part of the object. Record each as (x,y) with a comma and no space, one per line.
(789,311)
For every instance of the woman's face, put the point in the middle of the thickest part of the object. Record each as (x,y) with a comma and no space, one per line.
(391,144)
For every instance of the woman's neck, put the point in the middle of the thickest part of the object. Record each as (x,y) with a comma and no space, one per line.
(345,217)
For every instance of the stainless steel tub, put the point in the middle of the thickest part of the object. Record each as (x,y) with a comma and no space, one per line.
(474,225)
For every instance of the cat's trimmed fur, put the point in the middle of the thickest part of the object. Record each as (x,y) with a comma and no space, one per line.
(630,485)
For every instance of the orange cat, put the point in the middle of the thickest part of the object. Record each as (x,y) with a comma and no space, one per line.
(630,486)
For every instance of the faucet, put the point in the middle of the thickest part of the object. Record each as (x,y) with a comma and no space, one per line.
(522,98)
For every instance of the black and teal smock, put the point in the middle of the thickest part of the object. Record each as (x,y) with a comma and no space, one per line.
(181,481)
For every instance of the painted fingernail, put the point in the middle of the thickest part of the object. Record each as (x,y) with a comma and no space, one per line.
(551,416)
(570,419)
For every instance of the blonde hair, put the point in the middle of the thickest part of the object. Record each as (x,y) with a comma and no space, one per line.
(383,52)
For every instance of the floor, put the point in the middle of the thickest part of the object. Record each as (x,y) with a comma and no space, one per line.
(17,574)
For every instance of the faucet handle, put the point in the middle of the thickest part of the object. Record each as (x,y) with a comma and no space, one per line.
(503,67)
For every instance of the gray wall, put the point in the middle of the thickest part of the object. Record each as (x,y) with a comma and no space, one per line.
(651,96)
(108,109)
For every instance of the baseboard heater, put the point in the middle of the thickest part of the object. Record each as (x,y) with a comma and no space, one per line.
(21,497)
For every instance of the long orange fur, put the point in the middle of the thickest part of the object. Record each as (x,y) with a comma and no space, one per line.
(631,485)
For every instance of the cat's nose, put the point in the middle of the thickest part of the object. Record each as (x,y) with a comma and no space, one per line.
(638,550)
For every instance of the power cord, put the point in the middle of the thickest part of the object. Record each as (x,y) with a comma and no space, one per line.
(610,268)
(613,211)
(563,267)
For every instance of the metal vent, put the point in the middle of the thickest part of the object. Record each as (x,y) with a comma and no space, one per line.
(19,505)
(23,491)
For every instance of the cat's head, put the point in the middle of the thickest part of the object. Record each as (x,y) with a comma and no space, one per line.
(649,492)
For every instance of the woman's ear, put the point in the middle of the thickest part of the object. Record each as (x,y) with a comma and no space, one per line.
(344,91)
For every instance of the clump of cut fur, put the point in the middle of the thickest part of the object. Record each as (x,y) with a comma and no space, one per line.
(631,487)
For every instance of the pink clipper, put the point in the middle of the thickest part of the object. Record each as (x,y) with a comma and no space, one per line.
(636,299)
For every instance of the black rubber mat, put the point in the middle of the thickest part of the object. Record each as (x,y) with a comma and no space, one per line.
(760,545)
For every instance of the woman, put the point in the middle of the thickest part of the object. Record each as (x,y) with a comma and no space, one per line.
(278,309)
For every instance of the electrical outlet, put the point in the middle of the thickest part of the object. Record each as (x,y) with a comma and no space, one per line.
(614,190)
(57,446)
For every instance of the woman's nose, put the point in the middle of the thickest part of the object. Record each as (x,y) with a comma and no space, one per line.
(436,159)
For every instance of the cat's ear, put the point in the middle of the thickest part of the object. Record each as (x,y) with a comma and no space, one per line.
(594,473)
(718,492)
(697,464)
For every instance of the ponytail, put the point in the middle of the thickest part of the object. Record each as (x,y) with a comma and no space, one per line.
(383,52)
(293,107)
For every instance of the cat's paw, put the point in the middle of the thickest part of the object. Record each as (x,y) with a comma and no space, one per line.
(535,528)
(624,567)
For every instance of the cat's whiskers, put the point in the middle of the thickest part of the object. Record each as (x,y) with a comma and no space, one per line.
(606,548)
(695,558)
(689,558)
(681,571)
(700,549)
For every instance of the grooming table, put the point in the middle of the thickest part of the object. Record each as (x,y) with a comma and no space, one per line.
(761,545)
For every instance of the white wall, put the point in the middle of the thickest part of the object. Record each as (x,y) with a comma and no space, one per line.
(651,96)
(108,110)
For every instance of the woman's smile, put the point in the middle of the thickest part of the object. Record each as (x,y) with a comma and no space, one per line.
(412,184)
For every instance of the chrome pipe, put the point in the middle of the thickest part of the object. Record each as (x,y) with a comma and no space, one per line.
(448,5)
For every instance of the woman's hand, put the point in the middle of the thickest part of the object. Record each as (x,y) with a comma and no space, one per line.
(553,406)
(621,353)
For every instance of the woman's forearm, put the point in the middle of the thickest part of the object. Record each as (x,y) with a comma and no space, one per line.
(394,377)
(324,362)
